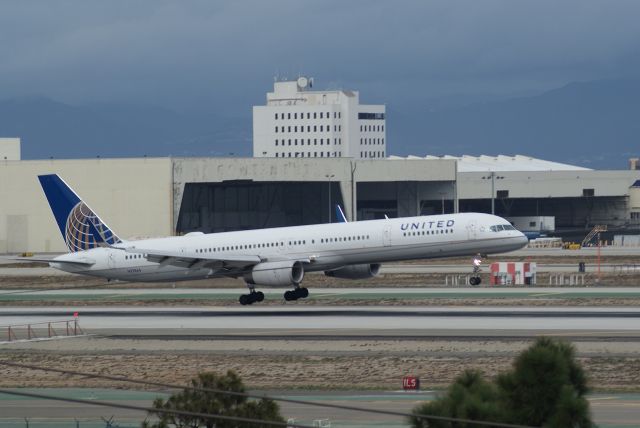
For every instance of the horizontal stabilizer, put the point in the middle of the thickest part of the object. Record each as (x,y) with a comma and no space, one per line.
(83,262)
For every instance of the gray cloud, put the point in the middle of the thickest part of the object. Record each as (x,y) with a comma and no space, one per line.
(203,54)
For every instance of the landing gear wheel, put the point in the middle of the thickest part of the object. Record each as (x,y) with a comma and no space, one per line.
(251,298)
(475,280)
(295,294)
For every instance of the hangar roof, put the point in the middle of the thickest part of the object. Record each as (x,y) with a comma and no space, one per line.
(501,163)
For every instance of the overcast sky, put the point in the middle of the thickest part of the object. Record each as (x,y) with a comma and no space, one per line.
(222,56)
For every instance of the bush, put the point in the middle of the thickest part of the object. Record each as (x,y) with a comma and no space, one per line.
(191,400)
(545,387)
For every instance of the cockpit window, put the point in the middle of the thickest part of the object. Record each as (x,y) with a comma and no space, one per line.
(501,227)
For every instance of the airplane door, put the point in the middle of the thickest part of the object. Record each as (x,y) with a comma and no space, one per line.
(472,229)
(111,260)
(386,235)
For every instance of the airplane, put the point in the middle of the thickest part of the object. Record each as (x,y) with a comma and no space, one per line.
(274,257)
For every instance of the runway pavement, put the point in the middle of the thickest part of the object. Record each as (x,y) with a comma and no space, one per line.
(289,320)
(129,295)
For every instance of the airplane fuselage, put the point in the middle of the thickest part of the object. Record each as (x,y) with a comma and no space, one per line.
(321,247)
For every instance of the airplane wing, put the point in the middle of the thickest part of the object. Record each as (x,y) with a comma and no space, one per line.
(177,258)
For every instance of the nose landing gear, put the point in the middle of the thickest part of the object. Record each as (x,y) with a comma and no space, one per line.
(475,277)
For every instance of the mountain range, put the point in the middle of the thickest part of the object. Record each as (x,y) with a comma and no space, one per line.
(594,124)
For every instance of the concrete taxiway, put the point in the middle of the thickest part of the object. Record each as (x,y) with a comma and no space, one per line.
(609,410)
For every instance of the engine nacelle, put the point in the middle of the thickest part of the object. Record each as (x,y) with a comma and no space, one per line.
(355,271)
(276,274)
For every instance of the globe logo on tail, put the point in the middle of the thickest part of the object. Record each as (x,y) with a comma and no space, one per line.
(84,230)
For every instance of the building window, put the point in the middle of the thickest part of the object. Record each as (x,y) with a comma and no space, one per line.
(371,116)
(314,115)
(289,141)
(288,115)
(295,115)
(315,141)
(315,128)
(276,129)
(502,194)
(308,115)
(315,154)
(588,192)
(321,154)
(288,128)
(276,143)
(276,116)
(276,154)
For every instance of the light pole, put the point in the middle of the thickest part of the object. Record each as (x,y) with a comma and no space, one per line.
(493,178)
(329,177)
(442,199)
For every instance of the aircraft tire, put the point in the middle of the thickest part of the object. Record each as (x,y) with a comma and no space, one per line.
(290,295)
(303,293)
(244,300)
(259,296)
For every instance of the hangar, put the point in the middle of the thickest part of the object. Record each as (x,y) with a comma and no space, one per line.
(146,197)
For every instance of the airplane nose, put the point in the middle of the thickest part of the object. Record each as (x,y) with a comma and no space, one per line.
(523,239)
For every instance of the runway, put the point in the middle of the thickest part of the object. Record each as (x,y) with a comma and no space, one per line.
(133,294)
(331,321)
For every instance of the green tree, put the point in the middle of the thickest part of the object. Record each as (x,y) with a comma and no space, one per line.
(546,387)
(469,397)
(192,400)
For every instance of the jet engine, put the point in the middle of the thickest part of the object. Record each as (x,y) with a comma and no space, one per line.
(276,274)
(355,271)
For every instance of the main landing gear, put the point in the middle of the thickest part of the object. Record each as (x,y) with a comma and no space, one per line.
(296,293)
(251,298)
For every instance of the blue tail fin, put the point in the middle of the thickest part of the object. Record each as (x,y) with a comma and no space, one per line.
(81,228)
(340,215)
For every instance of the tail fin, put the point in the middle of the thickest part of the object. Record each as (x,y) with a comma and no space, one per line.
(81,228)
(340,214)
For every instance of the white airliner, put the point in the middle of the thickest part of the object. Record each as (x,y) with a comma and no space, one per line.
(277,257)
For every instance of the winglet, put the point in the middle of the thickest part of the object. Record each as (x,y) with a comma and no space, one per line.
(340,215)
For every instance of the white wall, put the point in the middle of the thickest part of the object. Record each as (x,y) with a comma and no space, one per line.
(133,196)
(9,149)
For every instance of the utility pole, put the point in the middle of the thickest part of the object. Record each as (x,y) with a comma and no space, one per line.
(329,177)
